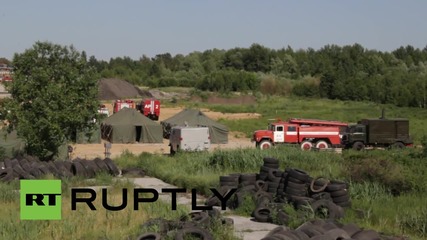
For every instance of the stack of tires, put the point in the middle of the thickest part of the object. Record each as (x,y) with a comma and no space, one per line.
(32,168)
(295,183)
(323,230)
(271,186)
(339,193)
(194,226)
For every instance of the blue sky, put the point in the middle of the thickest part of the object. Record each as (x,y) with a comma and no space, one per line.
(108,29)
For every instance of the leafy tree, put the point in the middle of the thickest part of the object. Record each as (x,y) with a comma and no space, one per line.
(54,94)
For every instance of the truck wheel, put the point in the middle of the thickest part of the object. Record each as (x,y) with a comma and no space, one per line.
(359,146)
(322,144)
(265,144)
(398,145)
(306,145)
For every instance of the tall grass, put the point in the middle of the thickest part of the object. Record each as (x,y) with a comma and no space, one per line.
(387,187)
(202,170)
(85,223)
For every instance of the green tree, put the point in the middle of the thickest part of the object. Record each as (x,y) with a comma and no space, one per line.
(54,94)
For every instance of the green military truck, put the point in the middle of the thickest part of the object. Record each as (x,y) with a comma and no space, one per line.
(389,133)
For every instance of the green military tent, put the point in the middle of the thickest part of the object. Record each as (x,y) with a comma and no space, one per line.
(129,126)
(195,118)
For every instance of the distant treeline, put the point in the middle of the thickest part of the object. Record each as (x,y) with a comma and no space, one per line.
(346,73)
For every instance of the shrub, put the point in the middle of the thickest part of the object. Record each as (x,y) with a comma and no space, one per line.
(382,171)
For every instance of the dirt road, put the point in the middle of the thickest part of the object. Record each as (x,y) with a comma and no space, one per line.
(90,151)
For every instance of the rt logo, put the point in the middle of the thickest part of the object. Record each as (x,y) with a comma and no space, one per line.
(40,199)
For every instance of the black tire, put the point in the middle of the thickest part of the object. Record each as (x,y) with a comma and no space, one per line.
(44,169)
(272,176)
(193,231)
(53,169)
(62,169)
(358,146)
(89,168)
(318,189)
(149,236)
(261,185)
(366,235)
(23,161)
(101,165)
(26,166)
(351,229)
(322,195)
(301,235)
(342,199)
(276,230)
(232,179)
(68,166)
(293,185)
(22,173)
(227,221)
(311,232)
(296,192)
(272,165)
(270,160)
(302,202)
(6,175)
(337,234)
(299,174)
(8,163)
(398,145)
(265,169)
(79,169)
(288,235)
(339,193)
(200,218)
(248,177)
(262,214)
(294,180)
(113,168)
(332,211)
(14,162)
(336,186)
(35,171)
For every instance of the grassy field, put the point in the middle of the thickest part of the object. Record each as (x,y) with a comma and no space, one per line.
(85,224)
(388,188)
(273,108)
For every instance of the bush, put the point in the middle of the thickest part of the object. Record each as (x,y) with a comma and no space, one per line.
(382,171)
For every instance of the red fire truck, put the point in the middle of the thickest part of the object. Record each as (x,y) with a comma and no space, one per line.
(307,133)
(151,109)
(119,104)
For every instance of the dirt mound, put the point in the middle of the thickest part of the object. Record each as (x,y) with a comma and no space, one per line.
(112,89)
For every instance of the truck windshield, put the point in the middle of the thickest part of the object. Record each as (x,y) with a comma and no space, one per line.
(271,127)
(352,129)
(356,129)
